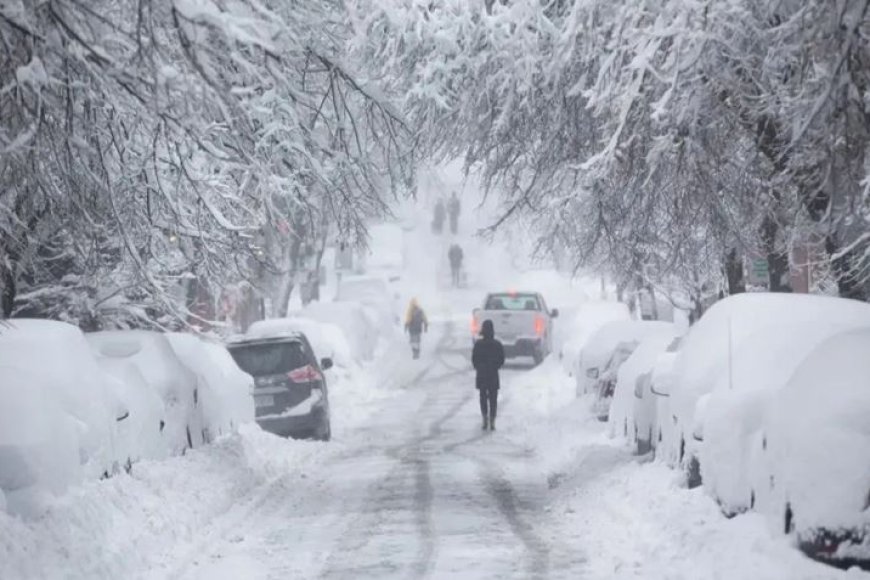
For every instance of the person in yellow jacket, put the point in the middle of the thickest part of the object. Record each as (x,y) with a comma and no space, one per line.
(415,325)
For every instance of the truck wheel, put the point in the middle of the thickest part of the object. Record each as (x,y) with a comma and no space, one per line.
(538,357)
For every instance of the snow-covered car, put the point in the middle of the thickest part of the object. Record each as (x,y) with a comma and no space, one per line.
(632,378)
(653,419)
(59,414)
(360,330)
(224,390)
(605,384)
(601,345)
(167,376)
(575,328)
(290,392)
(374,293)
(815,447)
(744,346)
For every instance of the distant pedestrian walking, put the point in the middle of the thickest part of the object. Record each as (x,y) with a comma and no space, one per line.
(453,208)
(487,358)
(416,324)
(438,218)
(455,255)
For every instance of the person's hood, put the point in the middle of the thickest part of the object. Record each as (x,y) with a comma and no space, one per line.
(487,330)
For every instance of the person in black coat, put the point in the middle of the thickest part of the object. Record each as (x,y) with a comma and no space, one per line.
(487,357)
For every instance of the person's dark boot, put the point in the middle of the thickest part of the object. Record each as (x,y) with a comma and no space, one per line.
(485,424)
(492,424)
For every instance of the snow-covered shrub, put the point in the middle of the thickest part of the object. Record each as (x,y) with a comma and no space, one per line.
(816,446)
(224,390)
(623,422)
(175,384)
(746,343)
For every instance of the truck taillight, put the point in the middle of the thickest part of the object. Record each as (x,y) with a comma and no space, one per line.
(540,325)
(306,374)
(475,326)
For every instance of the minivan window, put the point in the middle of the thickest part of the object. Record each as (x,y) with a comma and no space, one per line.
(269,358)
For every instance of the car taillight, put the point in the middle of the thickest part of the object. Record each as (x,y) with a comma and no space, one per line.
(475,326)
(306,374)
(540,325)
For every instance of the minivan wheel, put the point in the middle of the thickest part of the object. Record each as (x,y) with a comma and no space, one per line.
(326,433)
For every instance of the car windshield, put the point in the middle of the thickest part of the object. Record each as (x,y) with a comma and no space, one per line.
(269,358)
(512,302)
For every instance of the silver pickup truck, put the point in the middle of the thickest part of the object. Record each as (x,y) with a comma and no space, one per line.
(522,321)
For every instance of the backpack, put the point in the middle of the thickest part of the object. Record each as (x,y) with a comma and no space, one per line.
(417,319)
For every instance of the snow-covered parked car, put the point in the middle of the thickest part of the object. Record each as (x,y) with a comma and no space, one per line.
(632,379)
(374,293)
(360,329)
(224,390)
(816,452)
(167,376)
(653,419)
(59,414)
(574,329)
(741,350)
(603,343)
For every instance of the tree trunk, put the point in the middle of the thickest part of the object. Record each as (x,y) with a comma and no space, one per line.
(777,260)
(734,272)
(9,290)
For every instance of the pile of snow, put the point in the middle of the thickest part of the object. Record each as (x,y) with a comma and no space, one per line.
(638,367)
(58,412)
(743,347)
(225,398)
(817,444)
(326,339)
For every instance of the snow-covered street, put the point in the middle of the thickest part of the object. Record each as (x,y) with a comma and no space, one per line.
(410,488)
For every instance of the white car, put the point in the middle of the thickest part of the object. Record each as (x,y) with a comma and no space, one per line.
(815,448)
(721,349)
(653,419)
(167,376)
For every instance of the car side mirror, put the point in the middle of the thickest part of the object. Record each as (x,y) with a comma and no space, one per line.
(326,363)
(122,417)
(554,313)
(660,388)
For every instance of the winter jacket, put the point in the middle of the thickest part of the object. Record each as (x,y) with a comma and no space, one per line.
(487,357)
(415,319)
(455,255)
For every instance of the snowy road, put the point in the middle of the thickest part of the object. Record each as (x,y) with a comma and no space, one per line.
(422,491)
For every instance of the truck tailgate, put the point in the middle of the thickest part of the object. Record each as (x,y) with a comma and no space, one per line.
(510,325)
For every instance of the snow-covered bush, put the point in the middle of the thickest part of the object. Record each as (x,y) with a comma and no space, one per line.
(623,422)
(164,373)
(58,411)
(816,447)
(326,339)
(224,390)
(746,344)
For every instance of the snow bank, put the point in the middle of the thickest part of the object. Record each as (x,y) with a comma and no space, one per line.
(817,436)
(54,399)
(132,525)
(572,330)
